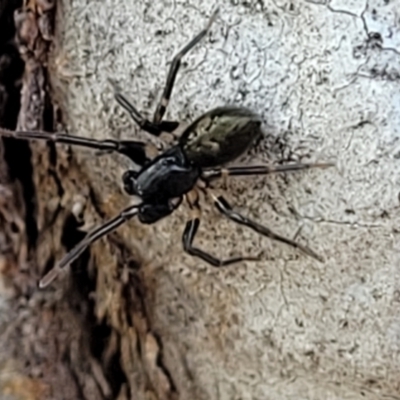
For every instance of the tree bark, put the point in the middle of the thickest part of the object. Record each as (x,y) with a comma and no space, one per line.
(137,318)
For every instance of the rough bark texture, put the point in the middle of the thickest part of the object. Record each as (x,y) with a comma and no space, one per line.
(139,319)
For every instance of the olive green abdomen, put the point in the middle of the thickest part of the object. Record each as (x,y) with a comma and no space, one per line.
(220,136)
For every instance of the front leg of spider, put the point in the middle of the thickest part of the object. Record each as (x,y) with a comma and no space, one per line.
(90,238)
(133,149)
(160,184)
(148,213)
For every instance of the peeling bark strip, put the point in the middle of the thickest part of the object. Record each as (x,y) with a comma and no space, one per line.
(38,349)
(286,327)
(34,27)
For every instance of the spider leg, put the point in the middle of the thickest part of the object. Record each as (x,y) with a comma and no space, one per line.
(216,173)
(224,207)
(153,128)
(91,237)
(135,150)
(173,70)
(188,237)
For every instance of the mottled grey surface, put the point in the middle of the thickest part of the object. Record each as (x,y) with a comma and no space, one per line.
(325,76)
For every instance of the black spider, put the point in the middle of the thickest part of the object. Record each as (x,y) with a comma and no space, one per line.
(214,139)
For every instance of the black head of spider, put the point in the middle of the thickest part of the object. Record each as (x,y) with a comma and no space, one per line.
(170,175)
(150,213)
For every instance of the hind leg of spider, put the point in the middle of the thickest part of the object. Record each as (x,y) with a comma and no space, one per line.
(173,70)
(216,173)
(224,207)
(90,238)
(188,237)
(153,128)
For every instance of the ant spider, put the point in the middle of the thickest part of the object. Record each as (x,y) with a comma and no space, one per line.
(212,140)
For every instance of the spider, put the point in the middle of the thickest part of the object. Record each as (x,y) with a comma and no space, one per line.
(215,138)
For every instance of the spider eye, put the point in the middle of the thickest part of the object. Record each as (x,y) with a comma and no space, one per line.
(168,161)
(129,182)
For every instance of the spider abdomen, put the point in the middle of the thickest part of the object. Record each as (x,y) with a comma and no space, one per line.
(220,136)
